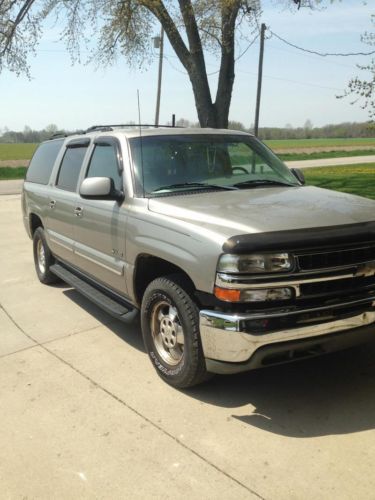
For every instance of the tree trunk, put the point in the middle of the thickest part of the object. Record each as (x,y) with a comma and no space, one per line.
(210,114)
(226,76)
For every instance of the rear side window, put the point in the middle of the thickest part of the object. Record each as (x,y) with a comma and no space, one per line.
(42,162)
(70,168)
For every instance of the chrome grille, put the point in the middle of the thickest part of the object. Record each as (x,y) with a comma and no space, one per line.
(337,287)
(336,258)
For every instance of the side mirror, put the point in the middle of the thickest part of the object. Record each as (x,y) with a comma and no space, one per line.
(299,175)
(100,188)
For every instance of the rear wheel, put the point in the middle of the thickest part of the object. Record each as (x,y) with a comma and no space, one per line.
(170,329)
(43,259)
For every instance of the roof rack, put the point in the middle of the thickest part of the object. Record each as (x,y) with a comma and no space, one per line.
(57,135)
(65,134)
(109,128)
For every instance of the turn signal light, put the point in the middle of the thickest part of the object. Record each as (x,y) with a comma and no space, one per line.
(227,294)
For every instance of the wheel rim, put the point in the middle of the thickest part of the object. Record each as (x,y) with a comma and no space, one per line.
(41,255)
(167,333)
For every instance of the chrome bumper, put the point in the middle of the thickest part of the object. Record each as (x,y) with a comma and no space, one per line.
(225,337)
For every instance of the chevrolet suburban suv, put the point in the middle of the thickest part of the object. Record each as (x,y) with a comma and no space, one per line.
(232,261)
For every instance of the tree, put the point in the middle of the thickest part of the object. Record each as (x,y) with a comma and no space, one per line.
(364,89)
(124,27)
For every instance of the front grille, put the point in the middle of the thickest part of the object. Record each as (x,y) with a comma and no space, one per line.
(336,258)
(337,287)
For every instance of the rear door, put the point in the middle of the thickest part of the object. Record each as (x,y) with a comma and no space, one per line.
(63,200)
(37,183)
(100,227)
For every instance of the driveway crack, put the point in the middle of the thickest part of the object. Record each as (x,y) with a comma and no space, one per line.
(134,410)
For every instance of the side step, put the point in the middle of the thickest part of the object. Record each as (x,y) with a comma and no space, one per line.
(111,306)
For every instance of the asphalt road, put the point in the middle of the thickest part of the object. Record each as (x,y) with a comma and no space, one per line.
(332,162)
(84,415)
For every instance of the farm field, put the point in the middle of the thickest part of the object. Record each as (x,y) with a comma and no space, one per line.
(356,143)
(21,151)
(353,179)
(315,147)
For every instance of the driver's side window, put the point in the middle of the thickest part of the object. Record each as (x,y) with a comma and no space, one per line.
(103,163)
(246,160)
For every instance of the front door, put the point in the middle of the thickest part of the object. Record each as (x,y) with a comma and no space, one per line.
(99,229)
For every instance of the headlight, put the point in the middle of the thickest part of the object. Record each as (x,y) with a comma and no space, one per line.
(255,263)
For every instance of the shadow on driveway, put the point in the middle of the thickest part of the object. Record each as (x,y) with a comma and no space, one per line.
(129,332)
(332,394)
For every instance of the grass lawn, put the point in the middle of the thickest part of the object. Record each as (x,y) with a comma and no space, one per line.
(353,179)
(8,173)
(318,143)
(21,151)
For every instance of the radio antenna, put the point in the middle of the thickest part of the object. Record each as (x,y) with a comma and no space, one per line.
(140,138)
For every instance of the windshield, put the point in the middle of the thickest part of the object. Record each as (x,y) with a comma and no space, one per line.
(176,163)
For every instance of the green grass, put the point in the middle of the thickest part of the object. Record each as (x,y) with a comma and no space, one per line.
(8,173)
(318,143)
(353,179)
(325,154)
(21,151)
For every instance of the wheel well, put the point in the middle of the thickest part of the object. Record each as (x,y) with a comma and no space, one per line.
(35,222)
(148,268)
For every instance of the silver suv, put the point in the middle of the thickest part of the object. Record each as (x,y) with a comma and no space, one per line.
(232,262)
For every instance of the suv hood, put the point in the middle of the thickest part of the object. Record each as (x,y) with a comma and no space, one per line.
(265,209)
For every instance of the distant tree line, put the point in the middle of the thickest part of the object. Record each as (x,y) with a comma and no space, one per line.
(331,131)
(308,131)
(28,135)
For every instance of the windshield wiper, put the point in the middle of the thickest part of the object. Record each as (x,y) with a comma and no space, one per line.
(261,182)
(202,185)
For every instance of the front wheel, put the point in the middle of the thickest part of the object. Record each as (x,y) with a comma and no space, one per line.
(170,329)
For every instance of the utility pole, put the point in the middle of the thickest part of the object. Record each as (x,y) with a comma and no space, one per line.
(260,75)
(159,44)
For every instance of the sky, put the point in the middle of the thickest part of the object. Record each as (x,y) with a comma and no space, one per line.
(297,86)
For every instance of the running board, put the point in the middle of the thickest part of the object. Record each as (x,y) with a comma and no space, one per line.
(113,307)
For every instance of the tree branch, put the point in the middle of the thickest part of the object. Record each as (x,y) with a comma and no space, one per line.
(19,18)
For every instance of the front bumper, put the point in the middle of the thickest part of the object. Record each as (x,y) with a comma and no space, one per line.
(230,345)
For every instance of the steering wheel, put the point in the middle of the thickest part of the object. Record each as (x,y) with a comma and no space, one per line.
(241,169)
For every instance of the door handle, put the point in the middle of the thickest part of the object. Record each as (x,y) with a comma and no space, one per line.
(78,211)
(52,204)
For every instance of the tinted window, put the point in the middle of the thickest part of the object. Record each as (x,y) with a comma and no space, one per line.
(172,163)
(104,163)
(70,168)
(42,162)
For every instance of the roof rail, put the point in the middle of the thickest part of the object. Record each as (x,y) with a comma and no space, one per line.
(65,134)
(109,128)
(57,135)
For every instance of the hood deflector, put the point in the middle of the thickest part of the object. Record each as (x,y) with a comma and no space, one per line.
(300,239)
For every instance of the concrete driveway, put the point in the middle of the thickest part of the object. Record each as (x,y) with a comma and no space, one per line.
(84,415)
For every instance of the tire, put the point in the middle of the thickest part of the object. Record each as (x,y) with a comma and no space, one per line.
(170,329)
(43,259)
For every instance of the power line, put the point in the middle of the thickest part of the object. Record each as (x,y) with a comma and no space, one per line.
(314,58)
(321,54)
(218,70)
(241,54)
